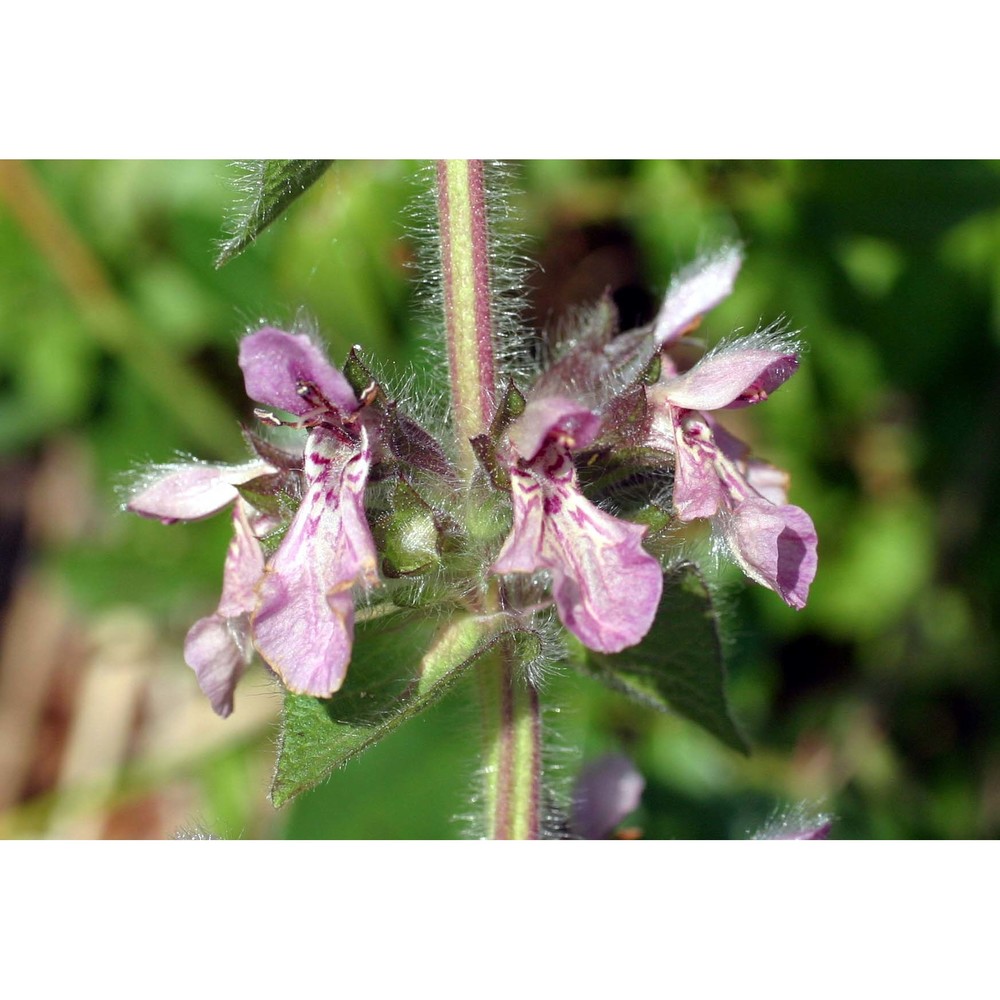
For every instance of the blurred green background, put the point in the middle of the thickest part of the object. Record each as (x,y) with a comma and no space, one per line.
(878,703)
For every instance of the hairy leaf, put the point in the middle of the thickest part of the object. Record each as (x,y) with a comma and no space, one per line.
(267,187)
(402,663)
(679,663)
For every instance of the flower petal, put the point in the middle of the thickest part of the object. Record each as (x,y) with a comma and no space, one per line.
(698,488)
(699,287)
(553,415)
(606,587)
(304,622)
(190,491)
(218,647)
(739,374)
(768,480)
(277,364)
(595,363)
(243,568)
(776,546)
(218,650)
(802,822)
(763,477)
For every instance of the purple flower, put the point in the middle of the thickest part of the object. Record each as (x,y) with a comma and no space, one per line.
(606,587)
(303,623)
(772,541)
(217,647)
(607,790)
(190,491)
(290,372)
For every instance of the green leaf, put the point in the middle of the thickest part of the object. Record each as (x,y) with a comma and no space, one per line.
(268,187)
(402,663)
(679,663)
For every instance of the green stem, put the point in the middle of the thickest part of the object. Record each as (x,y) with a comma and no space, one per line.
(466,279)
(511,719)
(512,751)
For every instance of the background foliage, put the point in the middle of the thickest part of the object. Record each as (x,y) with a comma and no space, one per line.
(117,346)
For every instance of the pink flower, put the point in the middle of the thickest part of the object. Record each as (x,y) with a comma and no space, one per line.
(772,541)
(297,608)
(700,286)
(217,647)
(190,491)
(606,587)
(303,622)
(290,372)
(303,625)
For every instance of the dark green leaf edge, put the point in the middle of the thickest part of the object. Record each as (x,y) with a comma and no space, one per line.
(267,187)
(664,687)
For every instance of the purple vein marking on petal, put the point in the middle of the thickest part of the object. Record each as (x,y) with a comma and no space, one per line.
(698,488)
(304,622)
(606,587)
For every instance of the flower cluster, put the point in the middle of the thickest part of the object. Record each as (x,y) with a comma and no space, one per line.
(369,496)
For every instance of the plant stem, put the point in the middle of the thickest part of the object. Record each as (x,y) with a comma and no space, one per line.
(512,751)
(511,718)
(466,278)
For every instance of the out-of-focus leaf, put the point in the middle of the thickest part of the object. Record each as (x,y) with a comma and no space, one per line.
(268,187)
(423,790)
(678,665)
(401,665)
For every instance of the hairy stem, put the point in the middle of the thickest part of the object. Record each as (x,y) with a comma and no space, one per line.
(512,751)
(465,273)
(511,720)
